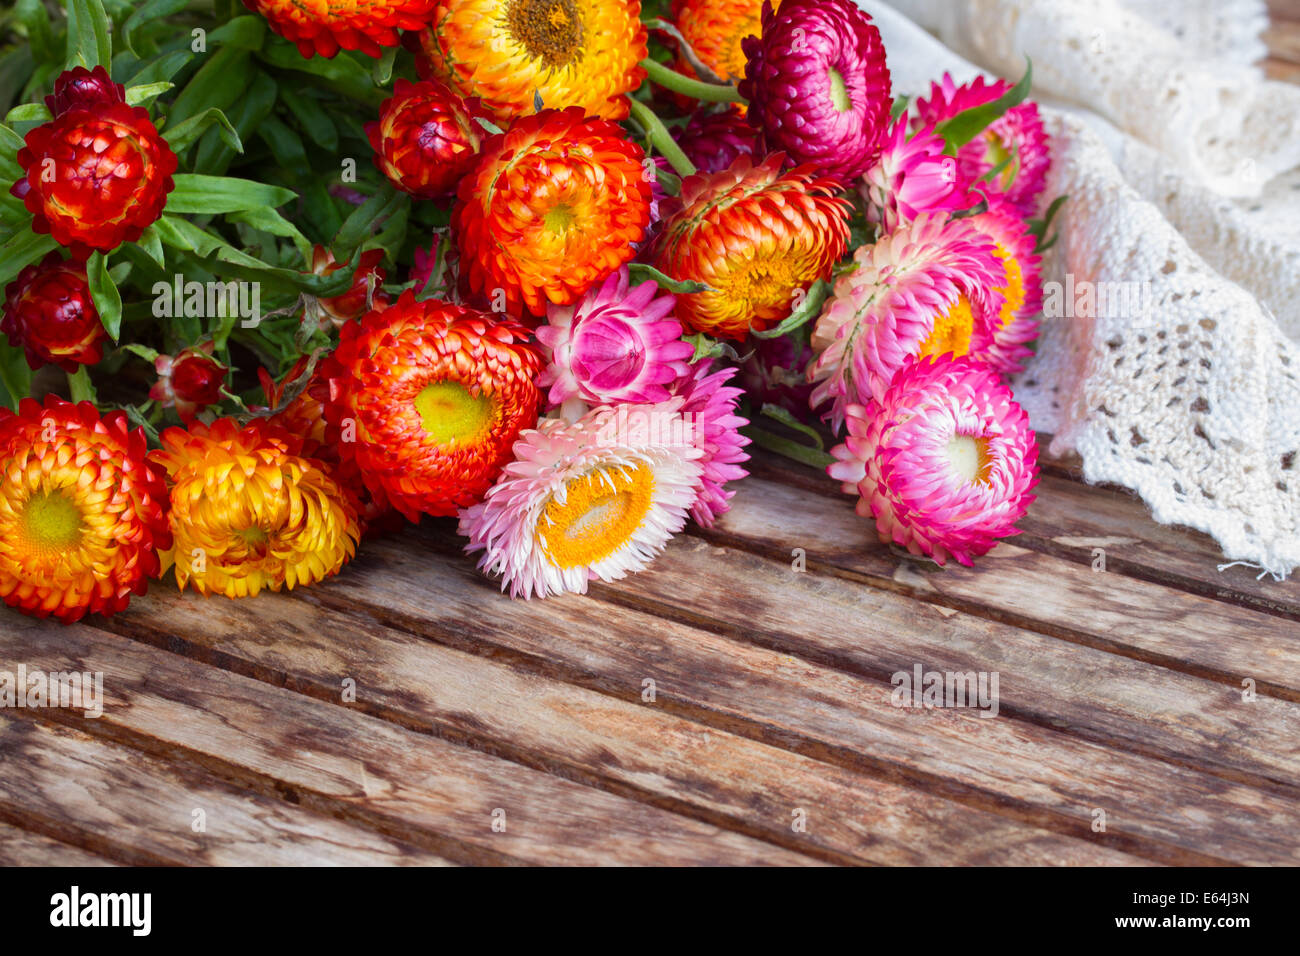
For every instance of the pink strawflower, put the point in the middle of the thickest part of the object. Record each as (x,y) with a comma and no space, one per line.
(928,288)
(587,500)
(1016,324)
(945,464)
(818,86)
(911,177)
(1017,135)
(709,406)
(616,344)
(713,141)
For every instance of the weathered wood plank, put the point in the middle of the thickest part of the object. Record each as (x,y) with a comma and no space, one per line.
(1070,519)
(24,848)
(339,762)
(789,694)
(114,801)
(618,743)
(1112,612)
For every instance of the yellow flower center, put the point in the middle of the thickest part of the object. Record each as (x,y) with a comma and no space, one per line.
(839,91)
(969,457)
(51,521)
(449,413)
(550,30)
(600,513)
(1014,289)
(951,333)
(559,218)
(996,152)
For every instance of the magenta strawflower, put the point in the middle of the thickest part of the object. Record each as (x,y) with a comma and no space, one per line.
(818,86)
(709,406)
(945,464)
(616,344)
(1016,139)
(929,288)
(911,177)
(1016,324)
(713,141)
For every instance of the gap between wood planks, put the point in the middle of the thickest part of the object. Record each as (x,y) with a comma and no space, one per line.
(512,658)
(1103,516)
(363,770)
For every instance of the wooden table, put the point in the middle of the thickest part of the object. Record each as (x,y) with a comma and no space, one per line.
(723,707)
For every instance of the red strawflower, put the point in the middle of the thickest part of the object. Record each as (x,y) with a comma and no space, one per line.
(48,311)
(82,87)
(426,137)
(190,381)
(95,176)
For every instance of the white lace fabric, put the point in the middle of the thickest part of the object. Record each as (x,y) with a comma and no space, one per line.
(1182,167)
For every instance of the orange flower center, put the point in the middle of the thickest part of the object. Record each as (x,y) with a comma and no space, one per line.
(969,457)
(600,512)
(550,30)
(1014,291)
(449,413)
(51,522)
(951,333)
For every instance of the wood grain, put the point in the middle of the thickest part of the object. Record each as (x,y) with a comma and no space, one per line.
(787,693)
(342,763)
(24,848)
(1033,590)
(113,801)
(620,744)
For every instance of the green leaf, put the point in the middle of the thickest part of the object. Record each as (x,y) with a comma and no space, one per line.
(15,375)
(901,103)
(161,69)
(707,347)
(365,218)
(782,414)
(146,353)
(640,272)
(28,113)
(21,250)
(805,455)
(108,302)
(811,305)
(150,10)
(1039,227)
(151,243)
(342,73)
(968,124)
(268,220)
(218,194)
(215,154)
(88,41)
(245,33)
(383,69)
(315,123)
(36,21)
(146,93)
(186,132)
(218,83)
(286,145)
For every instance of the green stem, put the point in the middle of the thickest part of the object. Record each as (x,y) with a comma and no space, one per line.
(79,385)
(804,454)
(660,138)
(695,89)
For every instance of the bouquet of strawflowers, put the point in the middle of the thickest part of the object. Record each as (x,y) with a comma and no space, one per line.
(623,233)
